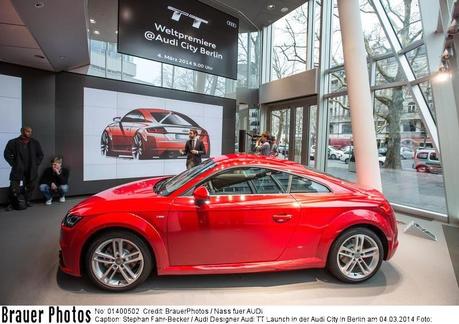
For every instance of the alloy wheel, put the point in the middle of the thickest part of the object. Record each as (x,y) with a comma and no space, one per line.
(137,148)
(117,263)
(358,257)
(105,144)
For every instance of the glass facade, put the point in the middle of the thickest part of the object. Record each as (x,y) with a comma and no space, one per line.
(403,141)
(292,46)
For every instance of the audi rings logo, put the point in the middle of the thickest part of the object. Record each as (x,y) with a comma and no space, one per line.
(149,35)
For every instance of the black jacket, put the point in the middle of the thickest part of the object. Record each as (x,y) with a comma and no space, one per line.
(196,158)
(15,159)
(49,176)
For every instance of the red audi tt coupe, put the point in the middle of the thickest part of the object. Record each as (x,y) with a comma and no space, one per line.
(147,133)
(231,214)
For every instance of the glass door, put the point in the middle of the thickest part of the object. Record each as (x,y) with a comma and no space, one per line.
(280,131)
(294,127)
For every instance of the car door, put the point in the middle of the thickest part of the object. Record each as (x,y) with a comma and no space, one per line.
(318,204)
(120,137)
(245,220)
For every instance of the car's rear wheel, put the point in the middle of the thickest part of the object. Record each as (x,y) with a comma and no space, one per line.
(356,255)
(106,145)
(118,261)
(138,148)
(422,169)
(333,157)
(346,161)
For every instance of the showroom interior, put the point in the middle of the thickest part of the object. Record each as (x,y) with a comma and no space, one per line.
(328,79)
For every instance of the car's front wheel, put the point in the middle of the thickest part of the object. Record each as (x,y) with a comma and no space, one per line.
(118,261)
(356,255)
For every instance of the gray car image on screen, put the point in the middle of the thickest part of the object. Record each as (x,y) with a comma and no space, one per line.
(150,133)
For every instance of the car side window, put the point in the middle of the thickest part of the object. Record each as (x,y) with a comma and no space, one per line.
(263,182)
(232,182)
(422,155)
(296,184)
(132,117)
(433,156)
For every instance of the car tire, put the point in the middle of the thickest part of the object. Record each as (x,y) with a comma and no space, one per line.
(333,157)
(106,145)
(114,271)
(345,261)
(138,148)
(422,169)
(381,164)
(346,161)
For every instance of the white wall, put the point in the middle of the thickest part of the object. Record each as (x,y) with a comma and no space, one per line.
(10,119)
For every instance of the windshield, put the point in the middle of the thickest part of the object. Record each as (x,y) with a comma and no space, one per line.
(179,180)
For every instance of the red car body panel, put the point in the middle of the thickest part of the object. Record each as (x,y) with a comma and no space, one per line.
(231,233)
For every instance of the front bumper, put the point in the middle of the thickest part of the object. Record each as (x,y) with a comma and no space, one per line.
(69,253)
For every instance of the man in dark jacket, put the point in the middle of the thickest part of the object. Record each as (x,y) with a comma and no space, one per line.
(194,148)
(24,155)
(54,179)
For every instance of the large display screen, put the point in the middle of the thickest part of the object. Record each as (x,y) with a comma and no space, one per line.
(128,135)
(185,33)
(11,119)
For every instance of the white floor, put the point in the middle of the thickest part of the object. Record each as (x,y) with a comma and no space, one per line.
(420,273)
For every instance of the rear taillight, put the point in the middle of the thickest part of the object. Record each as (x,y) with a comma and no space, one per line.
(386,208)
(156,130)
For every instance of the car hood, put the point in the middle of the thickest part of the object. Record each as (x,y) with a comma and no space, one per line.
(129,197)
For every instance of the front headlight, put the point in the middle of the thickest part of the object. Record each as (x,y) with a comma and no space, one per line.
(70,220)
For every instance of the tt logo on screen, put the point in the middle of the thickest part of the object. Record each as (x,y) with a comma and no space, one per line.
(177,13)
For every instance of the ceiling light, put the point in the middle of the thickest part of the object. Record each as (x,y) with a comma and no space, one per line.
(39,4)
(116,32)
(96,32)
(284,10)
(92,21)
(270,7)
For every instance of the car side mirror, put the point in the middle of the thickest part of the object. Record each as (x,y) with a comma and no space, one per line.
(201,195)
(117,119)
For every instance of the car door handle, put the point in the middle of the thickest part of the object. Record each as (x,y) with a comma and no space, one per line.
(282,218)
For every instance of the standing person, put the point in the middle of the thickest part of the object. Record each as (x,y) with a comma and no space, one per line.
(274,148)
(24,155)
(194,148)
(54,179)
(262,146)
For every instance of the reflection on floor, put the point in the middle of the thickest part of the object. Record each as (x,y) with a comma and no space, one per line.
(420,273)
(452,240)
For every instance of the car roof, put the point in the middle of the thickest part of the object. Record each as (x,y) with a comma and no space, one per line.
(241,159)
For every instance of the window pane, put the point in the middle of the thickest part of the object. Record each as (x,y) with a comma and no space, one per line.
(280,128)
(289,36)
(418,61)
(405,19)
(388,71)
(242,59)
(400,134)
